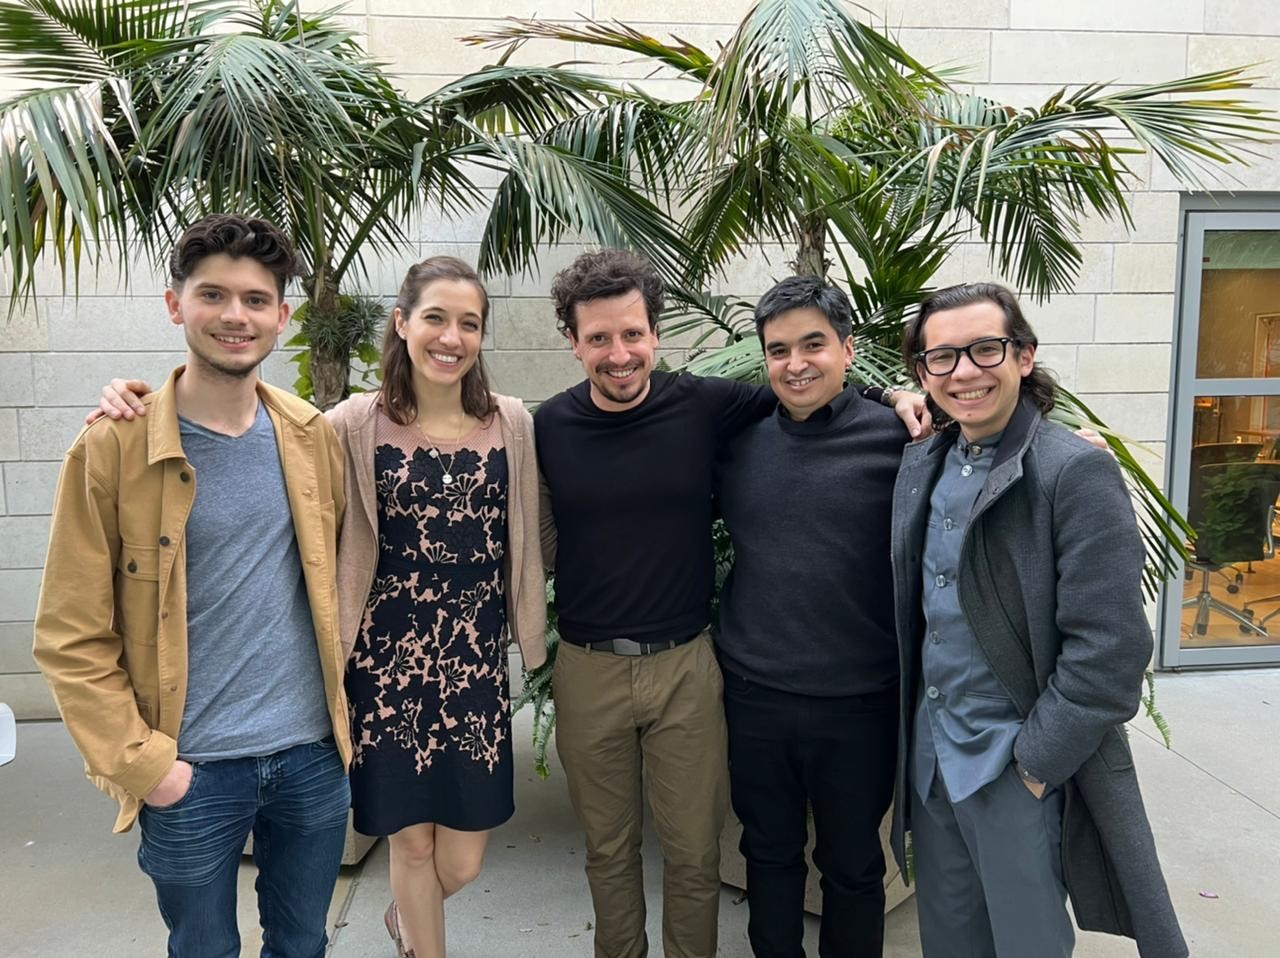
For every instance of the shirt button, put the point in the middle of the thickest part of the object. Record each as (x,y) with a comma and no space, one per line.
(966,470)
(914,489)
(935,638)
(940,581)
(932,692)
(948,524)
(184,476)
(164,615)
(164,540)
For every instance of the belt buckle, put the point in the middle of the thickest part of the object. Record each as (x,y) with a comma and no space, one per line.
(626,647)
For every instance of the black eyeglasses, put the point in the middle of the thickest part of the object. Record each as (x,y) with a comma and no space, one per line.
(983,353)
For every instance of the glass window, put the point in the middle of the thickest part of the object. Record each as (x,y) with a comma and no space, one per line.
(1231,595)
(1239,305)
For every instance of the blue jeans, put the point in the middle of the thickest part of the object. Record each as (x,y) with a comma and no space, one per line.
(295,802)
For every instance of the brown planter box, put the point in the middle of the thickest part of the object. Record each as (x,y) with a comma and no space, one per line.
(733,868)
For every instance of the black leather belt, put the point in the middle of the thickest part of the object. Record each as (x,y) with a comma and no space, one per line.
(625,646)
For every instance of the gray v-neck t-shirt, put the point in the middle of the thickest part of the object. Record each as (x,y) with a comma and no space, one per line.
(255,685)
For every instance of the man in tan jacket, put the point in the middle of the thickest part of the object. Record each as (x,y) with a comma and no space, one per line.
(187,622)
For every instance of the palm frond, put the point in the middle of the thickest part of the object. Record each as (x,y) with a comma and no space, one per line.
(1024,178)
(808,55)
(71,43)
(550,191)
(683,57)
(513,100)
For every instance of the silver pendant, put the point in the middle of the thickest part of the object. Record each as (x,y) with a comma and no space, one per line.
(448,479)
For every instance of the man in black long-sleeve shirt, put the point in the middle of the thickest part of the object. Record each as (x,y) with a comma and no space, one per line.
(807,641)
(627,457)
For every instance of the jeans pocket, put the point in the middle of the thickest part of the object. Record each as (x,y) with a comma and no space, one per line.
(186,796)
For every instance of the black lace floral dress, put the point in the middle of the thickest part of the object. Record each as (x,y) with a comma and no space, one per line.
(427,680)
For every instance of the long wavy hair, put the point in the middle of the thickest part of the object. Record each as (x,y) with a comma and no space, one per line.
(1038,385)
(397,368)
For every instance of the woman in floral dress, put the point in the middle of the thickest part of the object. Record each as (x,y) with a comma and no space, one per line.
(439,566)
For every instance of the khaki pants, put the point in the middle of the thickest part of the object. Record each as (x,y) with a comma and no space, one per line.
(663,712)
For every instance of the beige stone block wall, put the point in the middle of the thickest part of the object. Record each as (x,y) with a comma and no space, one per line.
(1110,339)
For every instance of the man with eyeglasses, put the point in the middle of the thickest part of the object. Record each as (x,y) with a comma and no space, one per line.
(1022,644)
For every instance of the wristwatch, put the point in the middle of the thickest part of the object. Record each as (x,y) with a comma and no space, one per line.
(1027,776)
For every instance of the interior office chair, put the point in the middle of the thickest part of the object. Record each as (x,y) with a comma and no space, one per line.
(1231,507)
(1210,453)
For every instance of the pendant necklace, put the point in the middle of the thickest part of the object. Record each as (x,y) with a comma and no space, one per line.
(438,456)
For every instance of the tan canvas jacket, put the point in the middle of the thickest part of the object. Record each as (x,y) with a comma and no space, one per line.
(356,420)
(111,626)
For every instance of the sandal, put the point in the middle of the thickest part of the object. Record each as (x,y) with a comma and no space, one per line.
(392,921)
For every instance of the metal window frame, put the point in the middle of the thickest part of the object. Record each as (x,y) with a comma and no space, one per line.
(1199,215)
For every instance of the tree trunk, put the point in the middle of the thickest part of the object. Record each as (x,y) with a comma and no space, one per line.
(811,246)
(329,379)
(330,366)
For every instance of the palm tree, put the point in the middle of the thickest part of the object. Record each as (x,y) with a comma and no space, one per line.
(814,129)
(148,114)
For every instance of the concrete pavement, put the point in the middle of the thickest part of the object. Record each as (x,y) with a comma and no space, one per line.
(70,887)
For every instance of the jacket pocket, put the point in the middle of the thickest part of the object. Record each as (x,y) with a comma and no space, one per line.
(139,562)
(137,594)
(1114,750)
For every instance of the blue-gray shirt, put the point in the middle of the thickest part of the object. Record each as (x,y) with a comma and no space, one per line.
(254,680)
(965,723)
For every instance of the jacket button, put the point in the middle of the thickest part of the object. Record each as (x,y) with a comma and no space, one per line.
(164,540)
(132,566)
(184,476)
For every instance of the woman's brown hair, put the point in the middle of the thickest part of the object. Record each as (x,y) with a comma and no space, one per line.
(397,369)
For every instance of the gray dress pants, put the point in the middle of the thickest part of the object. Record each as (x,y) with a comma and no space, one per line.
(988,872)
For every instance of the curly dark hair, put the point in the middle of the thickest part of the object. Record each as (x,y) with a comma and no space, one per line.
(609,272)
(239,237)
(397,368)
(1038,385)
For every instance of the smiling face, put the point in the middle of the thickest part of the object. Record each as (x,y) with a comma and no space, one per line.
(443,332)
(231,312)
(616,347)
(981,400)
(806,359)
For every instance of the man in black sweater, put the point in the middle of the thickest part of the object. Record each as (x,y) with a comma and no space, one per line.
(627,457)
(807,642)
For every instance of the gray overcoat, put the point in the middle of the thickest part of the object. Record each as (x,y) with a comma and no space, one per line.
(1050,583)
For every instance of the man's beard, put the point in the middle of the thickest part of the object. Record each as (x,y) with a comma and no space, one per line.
(224,370)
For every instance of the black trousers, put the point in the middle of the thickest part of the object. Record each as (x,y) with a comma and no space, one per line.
(788,753)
